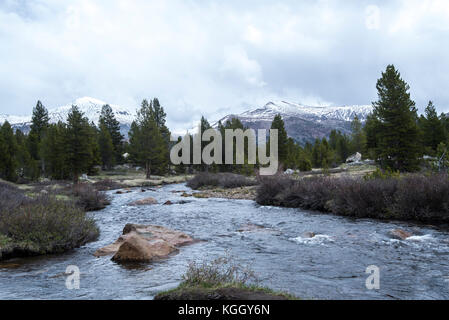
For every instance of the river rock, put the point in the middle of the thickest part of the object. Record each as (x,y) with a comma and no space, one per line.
(308,234)
(143,202)
(167,203)
(356,157)
(250,227)
(136,248)
(400,234)
(145,243)
(185,194)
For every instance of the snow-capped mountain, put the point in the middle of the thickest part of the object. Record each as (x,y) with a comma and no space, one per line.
(303,123)
(91,108)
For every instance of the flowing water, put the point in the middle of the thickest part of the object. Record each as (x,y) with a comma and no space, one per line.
(332,265)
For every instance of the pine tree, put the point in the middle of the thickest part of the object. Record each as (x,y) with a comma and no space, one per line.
(357,136)
(343,149)
(106,147)
(160,119)
(39,124)
(432,129)
(28,167)
(39,120)
(398,131)
(147,146)
(8,156)
(371,129)
(316,153)
(326,154)
(278,124)
(54,153)
(109,122)
(80,148)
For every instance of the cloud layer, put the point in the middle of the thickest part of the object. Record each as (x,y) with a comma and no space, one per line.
(215,57)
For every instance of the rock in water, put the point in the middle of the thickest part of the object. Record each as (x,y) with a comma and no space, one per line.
(308,235)
(136,248)
(167,203)
(142,202)
(145,243)
(400,234)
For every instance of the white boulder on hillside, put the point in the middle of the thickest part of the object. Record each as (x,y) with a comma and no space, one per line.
(357,157)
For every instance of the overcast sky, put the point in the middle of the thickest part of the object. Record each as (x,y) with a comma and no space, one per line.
(216,57)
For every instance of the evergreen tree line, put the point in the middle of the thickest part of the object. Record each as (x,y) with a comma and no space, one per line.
(393,135)
(65,150)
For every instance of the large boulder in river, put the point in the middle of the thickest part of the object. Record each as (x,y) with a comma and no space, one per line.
(136,248)
(145,243)
(400,234)
(144,201)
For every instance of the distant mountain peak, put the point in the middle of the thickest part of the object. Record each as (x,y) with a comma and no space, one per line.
(91,107)
(303,123)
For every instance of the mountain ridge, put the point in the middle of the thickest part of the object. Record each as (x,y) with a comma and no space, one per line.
(91,107)
(303,123)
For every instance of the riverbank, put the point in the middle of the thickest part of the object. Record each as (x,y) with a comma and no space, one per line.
(410,197)
(48,217)
(131,179)
(223,278)
(41,224)
(224,292)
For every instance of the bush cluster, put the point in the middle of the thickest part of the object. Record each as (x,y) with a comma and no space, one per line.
(221,271)
(410,197)
(88,197)
(43,224)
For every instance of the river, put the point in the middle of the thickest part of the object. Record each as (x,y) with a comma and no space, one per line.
(331,265)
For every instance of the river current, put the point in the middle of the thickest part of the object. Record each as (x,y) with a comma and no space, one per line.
(331,265)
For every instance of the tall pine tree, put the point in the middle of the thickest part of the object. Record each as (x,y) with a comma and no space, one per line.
(146,143)
(398,132)
(108,122)
(432,129)
(278,124)
(80,143)
(8,153)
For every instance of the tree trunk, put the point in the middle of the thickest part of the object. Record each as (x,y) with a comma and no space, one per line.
(147,170)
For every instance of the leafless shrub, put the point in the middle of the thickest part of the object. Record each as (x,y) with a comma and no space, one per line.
(45,224)
(88,197)
(221,271)
(410,197)
(224,180)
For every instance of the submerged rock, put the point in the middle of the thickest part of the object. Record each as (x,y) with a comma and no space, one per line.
(127,190)
(308,234)
(399,234)
(250,227)
(142,202)
(167,203)
(145,243)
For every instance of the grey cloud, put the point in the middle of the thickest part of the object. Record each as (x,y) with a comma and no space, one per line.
(214,57)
